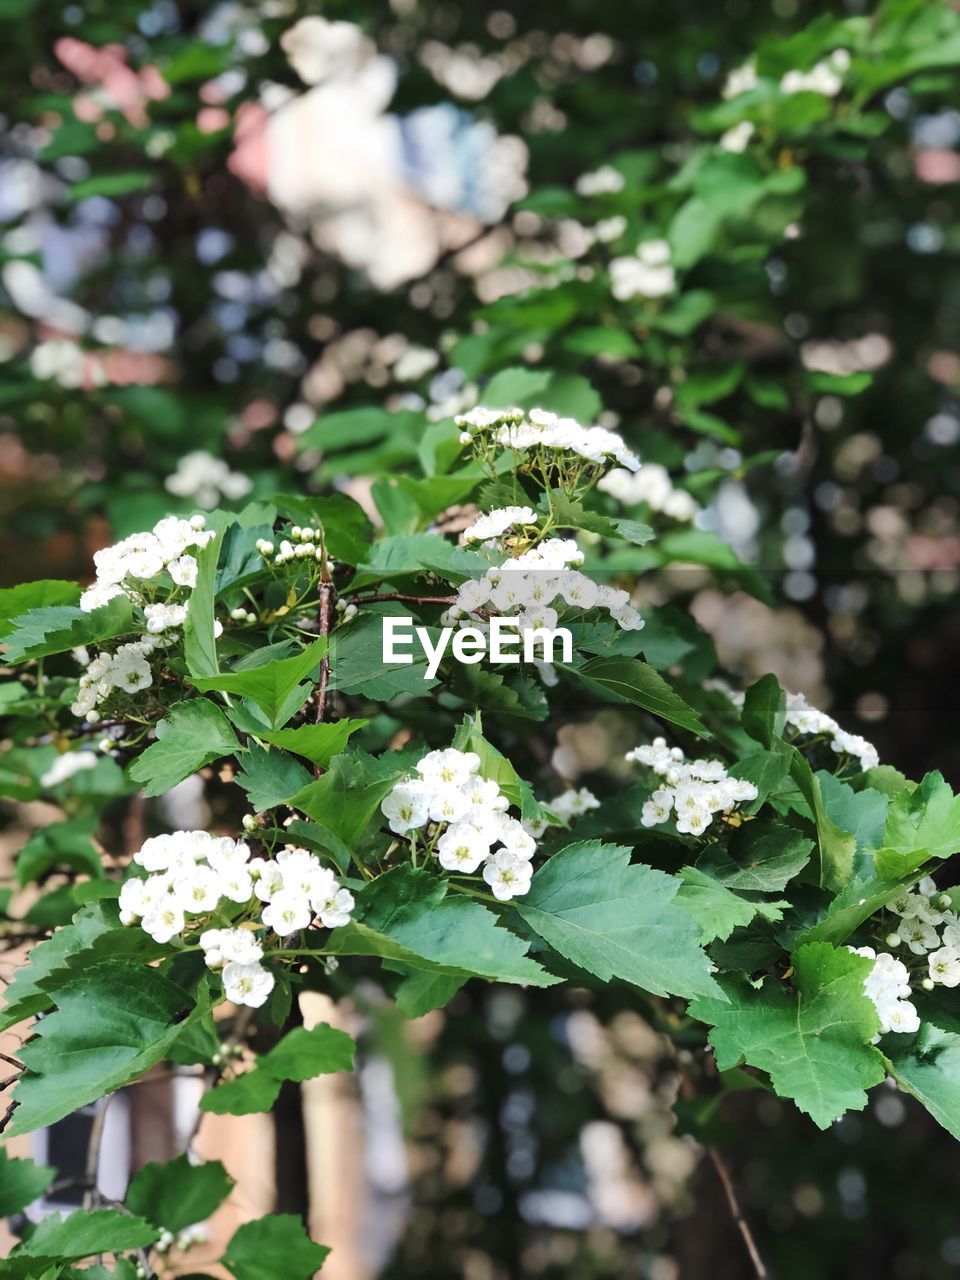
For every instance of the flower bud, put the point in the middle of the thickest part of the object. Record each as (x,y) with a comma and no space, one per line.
(893,940)
(927,984)
(197,522)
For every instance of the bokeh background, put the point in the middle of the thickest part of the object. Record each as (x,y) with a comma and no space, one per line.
(221,227)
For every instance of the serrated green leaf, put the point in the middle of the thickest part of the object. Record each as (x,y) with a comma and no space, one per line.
(617,920)
(195,733)
(271,685)
(178,1194)
(814,1043)
(256,1247)
(61,627)
(270,777)
(409,916)
(717,909)
(80,1235)
(630,680)
(921,824)
(21,1182)
(760,857)
(112,1022)
(300,1055)
(45,594)
(927,1065)
(316,742)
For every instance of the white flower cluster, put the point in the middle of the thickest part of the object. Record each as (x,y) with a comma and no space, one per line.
(736,139)
(646,274)
(887,986)
(600,182)
(494,523)
(67,766)
(825,78)
(531,586)
(740,80)
(652,485)
(929,928)
(463,816)
(573,802)
(144,556)
(800,715)
(304,543)
(539,428)
(693,790)
(205,479)
(196,877)
(127,669)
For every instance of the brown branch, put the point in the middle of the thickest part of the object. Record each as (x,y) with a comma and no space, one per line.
(396,595)
(91,1196)
(743,1226)
(323,620)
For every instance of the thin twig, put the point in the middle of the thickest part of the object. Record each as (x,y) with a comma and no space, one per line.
(211,1076)
(91,1196)
(742,1225)
(323,619)
(397,595)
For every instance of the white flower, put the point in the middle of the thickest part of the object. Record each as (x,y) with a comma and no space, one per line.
(572,803)
(448,766)
(287,913)
(494,523)
(334,910)
(945,967)
(919,936)
(740,80)
(204,478)
(238,945)
(902,1017)
(98,595)
(603,181)
(737,138)
(462,848)
(198,890)
(648,275)
(130,670)
(67,766)
(183,571)
(164,920)
(406,807)
(507,875)
(160,617)
(248,984)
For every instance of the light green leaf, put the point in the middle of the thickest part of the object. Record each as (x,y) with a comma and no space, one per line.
(62,844)
(617,920)
(927,1066)
(178,1194)
(300,1055)
(630,680)
(80,1235)
(256,1248)
(921,824)
(814,1043)
(409,916)
(61,627)
(199,642)
(717,909)
(195,733)
(271,685)
(21,1182)
(111,1024)
(47,593)
(270,777)
(316,742)
(836,847)
(346,797)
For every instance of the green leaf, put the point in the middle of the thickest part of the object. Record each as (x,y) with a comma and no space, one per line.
(763,857)
(421,991)
(927,1066)
(47,593)
(764,711)
(921,824)
(409,916)
(814,1043)
(111,1024)
(61,627)
(94,935)
(257,1247)
(199,642)
(496,767)
(357,664)
(346,797)
(21,1182)
(270,777)
(836,847)
(110,185)
(630,680)
(62,844)
(300,1055)
(717,909)
(271,685)
(195,733)
(617,920)
(80,1235)
(178,1194)
(316,742)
